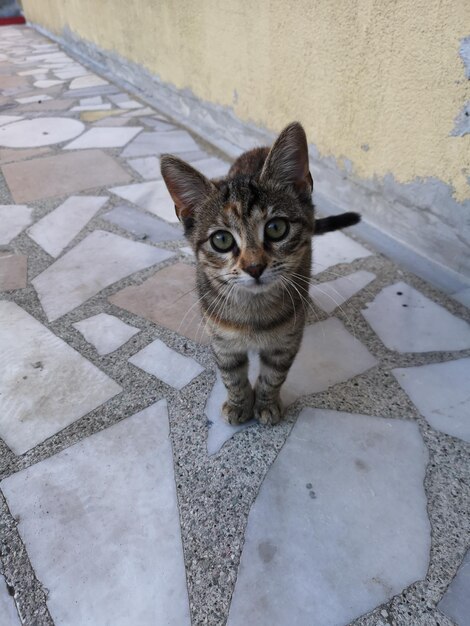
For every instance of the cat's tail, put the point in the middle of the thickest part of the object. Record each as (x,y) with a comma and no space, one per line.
(335,222)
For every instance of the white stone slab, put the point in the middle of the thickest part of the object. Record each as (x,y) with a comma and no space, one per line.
(99,260)
(104,137)
(8,613)
(440,392)
(147,167)
(158,143)
(33,72)
(334,248)
(340,523)
(463,296)
(13,219)
(47,384)
(187,250)
(407,321)
(41,131)
(57,229)
(92,107)
(73,72)
(329,295)
(166,364)
(93,101)
(212,167)
(456,601)
(152,197)
(33,99)
(328,355)
(45,84)
(130,104)
(100,524)
(89,80)
(7,119)
(105,332)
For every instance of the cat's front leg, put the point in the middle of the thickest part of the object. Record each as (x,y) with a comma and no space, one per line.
(233,368)
(274,367)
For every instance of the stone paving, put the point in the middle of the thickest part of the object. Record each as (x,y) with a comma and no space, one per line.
(125,499)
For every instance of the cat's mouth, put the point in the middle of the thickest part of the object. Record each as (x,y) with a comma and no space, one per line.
(256,285)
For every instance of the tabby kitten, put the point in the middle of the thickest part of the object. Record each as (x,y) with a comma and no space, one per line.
(251,233)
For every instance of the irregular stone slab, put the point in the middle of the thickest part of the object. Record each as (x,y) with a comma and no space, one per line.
(166,364)
(130,104)
(407,321)
(42,131)
(47,384)
(106,333)
(99,90)
(440,392)
(7,119)
(73,72)
(463,296)
(152,197)
(94,107)
(157,123)
(94,115)
(167,298)
(44,84)
(104,138)
(101,526)
(13,271)
(57,229)
(13,219)
(143,225)
(328,355)
(40,97)
(159,143)
(340,523)
(8,613)
(330,295)
(99,260)
(212,167)
(91,101)
(8,155)
(89,80)
(456,601)
(147,167)
(334,248)
(45,107)
(63,174)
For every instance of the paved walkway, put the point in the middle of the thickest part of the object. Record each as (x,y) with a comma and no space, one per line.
(125,500)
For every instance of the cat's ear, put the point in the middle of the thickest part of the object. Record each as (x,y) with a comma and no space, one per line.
(287,161)
(188,187)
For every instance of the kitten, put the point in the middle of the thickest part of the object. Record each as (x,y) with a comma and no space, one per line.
(251,233)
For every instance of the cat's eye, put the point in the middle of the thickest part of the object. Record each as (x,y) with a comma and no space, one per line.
(222,241)
(276,229)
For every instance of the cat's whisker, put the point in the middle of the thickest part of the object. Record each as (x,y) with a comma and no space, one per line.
(212,309)
(305,301)
(189,310)
(338,305)
(284,281)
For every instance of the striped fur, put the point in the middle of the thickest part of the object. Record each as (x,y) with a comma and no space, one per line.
(244,312)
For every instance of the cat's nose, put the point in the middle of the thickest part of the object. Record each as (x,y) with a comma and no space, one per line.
(255,270)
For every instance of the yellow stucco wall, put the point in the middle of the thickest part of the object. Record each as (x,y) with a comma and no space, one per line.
(382,74)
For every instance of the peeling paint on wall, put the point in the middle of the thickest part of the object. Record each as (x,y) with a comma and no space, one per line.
(464,52)
(462,121)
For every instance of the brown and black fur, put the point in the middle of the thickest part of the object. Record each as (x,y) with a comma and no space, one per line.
(253,296)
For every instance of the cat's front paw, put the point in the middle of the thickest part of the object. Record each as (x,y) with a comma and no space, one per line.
(268,414)
(236,414)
